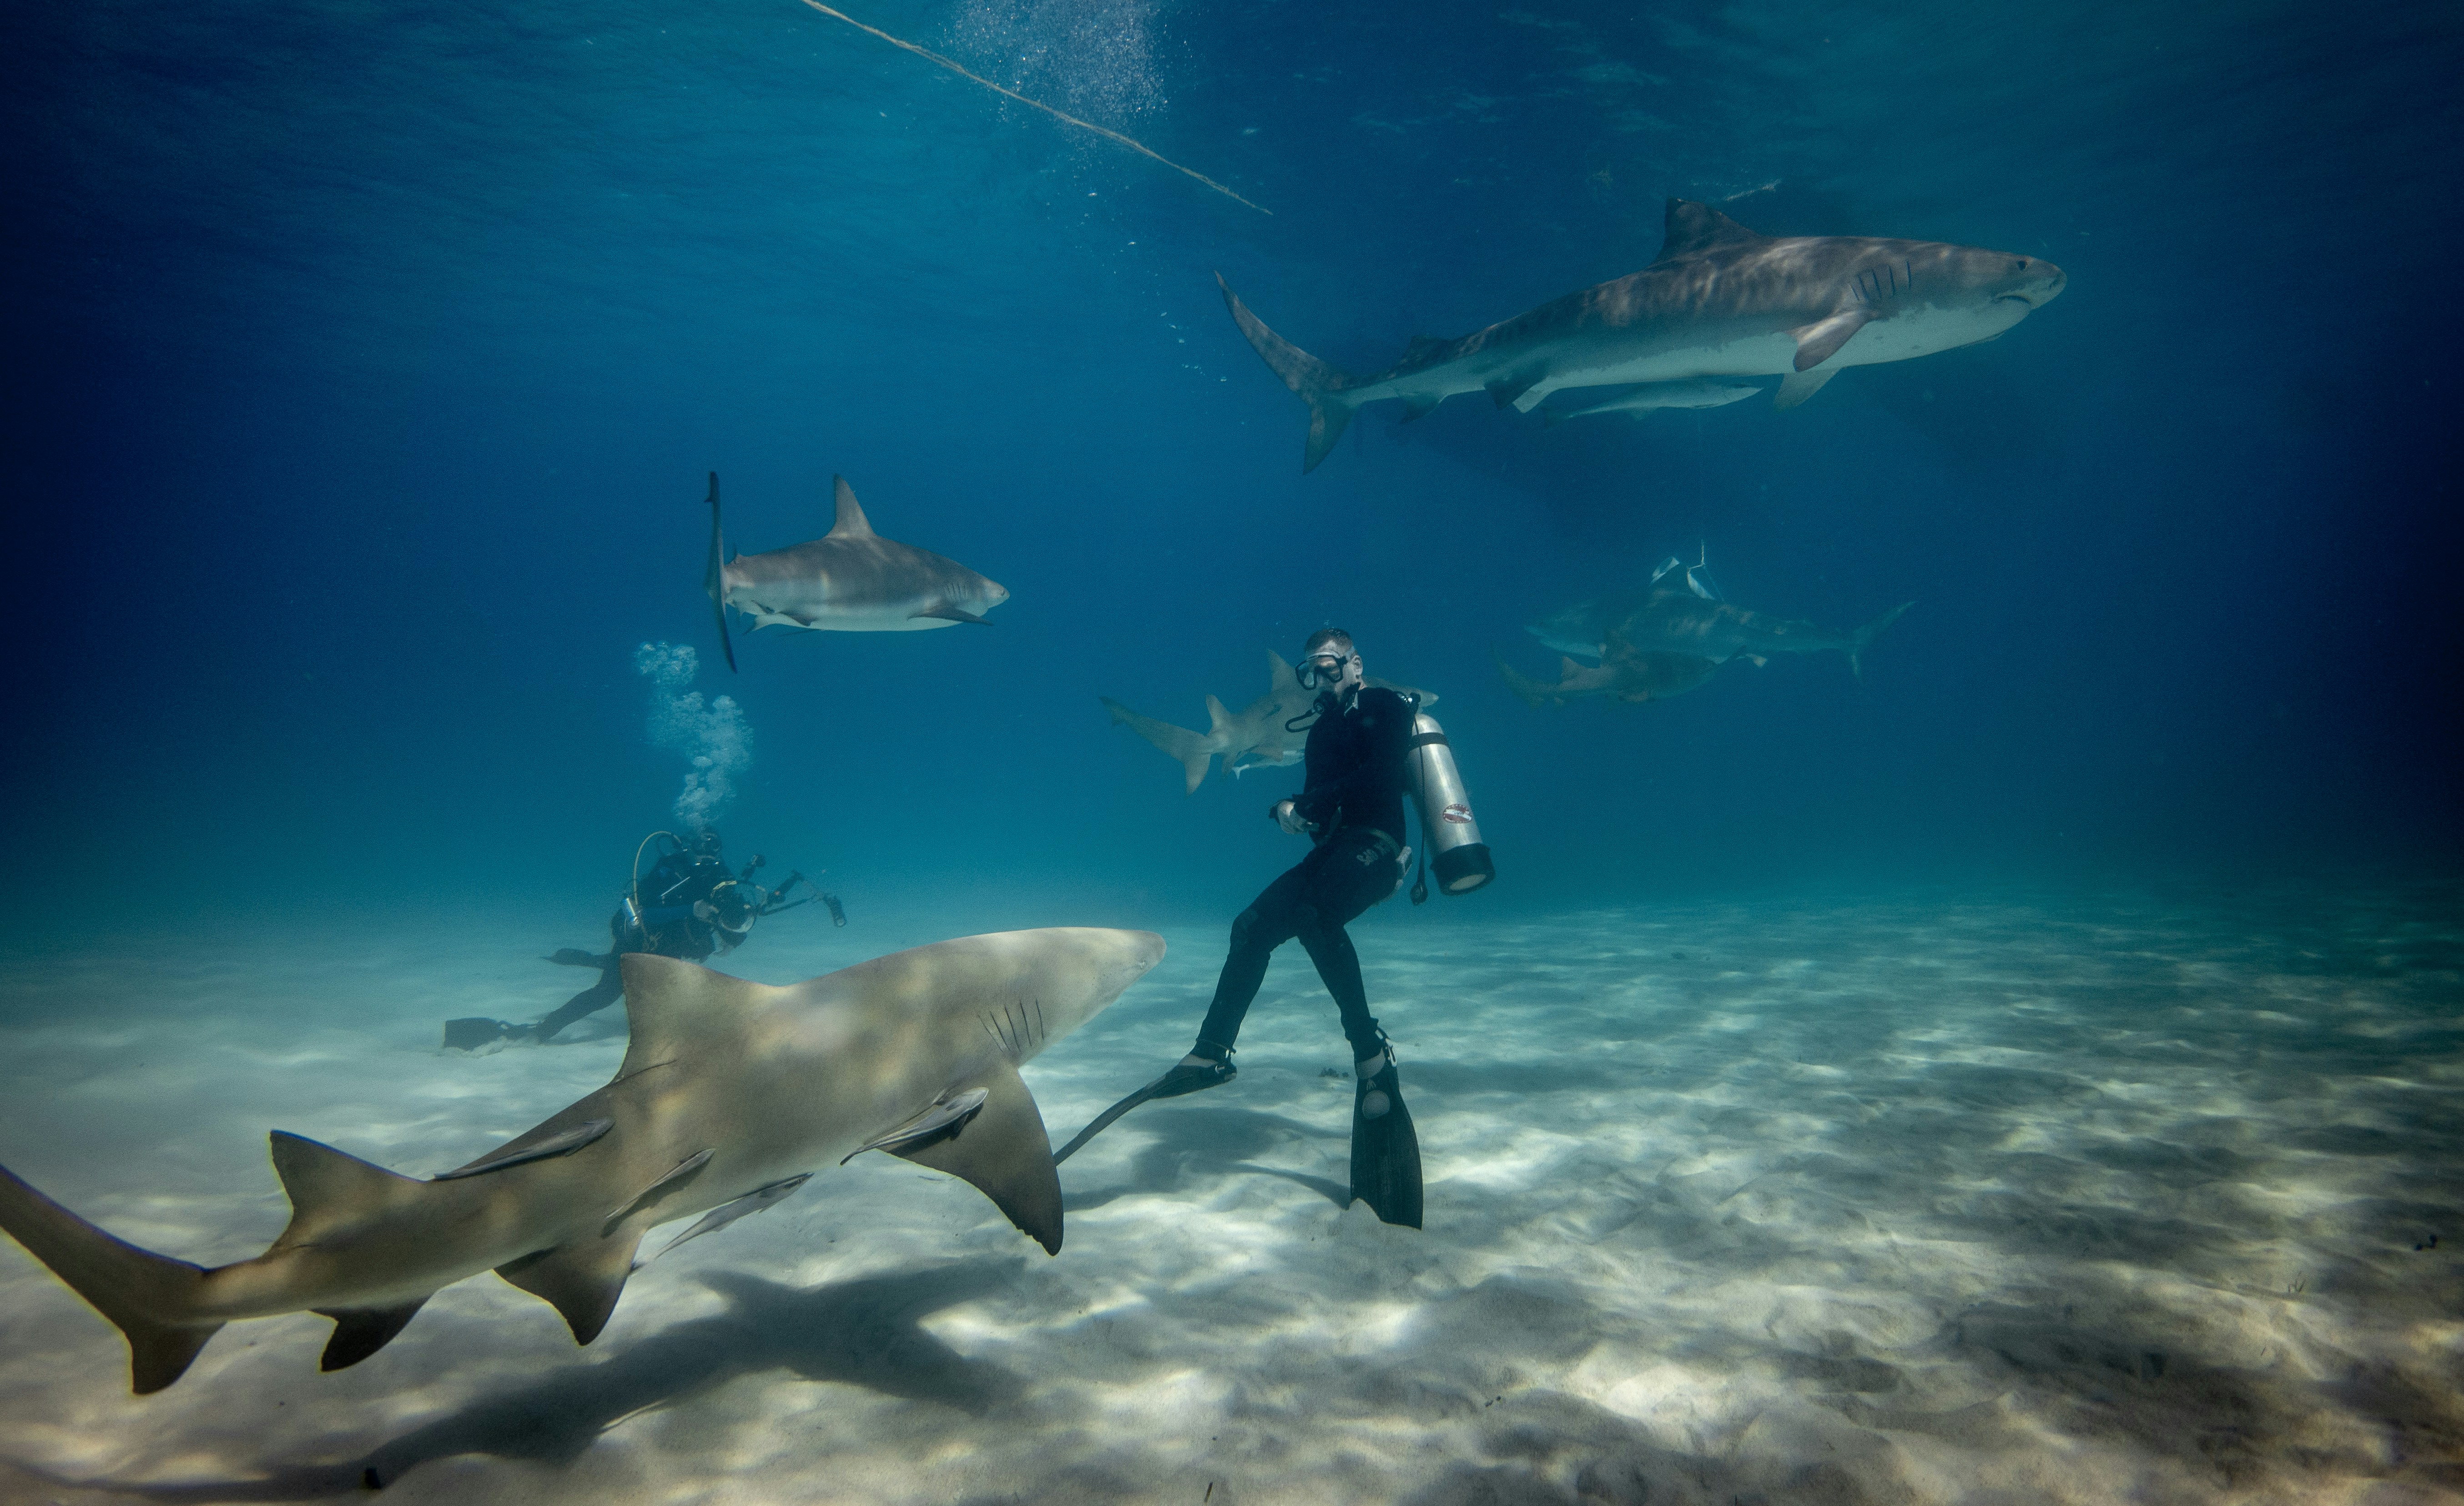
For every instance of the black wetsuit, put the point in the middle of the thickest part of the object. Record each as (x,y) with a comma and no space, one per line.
(668,927)
(1356,758)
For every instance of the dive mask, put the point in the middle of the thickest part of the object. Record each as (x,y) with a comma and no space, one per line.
(1321,671)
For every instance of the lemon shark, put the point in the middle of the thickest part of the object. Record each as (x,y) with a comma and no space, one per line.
(1257,738)
(1624,673)
(849,580)
(1720,302)
(728,1091)
(1676,614)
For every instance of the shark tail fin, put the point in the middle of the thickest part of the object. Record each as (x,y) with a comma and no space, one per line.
(1318,384)
(1190,750)
(714,579)
(148,1294)
(1866,636)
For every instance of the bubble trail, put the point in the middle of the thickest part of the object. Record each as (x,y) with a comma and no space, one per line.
(1136,147)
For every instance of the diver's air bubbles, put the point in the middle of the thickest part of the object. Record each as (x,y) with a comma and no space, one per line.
(712,738)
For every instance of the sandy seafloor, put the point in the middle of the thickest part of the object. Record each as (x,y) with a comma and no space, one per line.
(2033,1196)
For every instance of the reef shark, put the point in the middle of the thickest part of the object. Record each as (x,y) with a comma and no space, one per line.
(849,580)
(1720,302)
(729,1091)
(1676,615)
(1257,738)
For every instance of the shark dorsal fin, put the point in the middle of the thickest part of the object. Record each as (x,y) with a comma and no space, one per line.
(672,1007)
(331,1189)
(1005,1152)
(1280,676)
(852,523)
(1694,229)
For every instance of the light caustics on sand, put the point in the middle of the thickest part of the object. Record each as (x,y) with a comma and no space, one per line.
(1139,147)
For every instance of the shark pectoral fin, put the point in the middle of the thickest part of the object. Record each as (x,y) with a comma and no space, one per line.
(1798,385)
(949,614)
(1820,340)
(359,1332)
(1005,1152)
(581,1281)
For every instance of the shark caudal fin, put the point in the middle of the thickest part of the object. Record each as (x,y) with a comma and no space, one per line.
(1317,383)
(714,579)
(148,1296)
(1864,636)
(1188,749)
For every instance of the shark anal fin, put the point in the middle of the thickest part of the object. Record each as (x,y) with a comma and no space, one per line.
(949,614)
(1798,385)
(359,1332)
(1005,1154)
(1820,341)
(581,1281)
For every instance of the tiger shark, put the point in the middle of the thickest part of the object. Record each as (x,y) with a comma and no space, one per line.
(729,1092)
(1257,738)
(849,580)
(1676,615)
(1720,302)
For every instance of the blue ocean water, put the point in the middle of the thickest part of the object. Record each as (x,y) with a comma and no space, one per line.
(368,363)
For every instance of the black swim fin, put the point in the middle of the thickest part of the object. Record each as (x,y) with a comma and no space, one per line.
(1386,1152)
(1174,1084)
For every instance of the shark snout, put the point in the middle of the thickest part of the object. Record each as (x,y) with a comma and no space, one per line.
(2037,282)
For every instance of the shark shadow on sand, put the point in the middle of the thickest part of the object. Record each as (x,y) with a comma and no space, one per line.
(867,1332)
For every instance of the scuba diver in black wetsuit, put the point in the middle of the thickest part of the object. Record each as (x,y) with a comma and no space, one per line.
(1351,809)
(687,907)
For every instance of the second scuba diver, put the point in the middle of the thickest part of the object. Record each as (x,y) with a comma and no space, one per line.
(1351,810)
(687,907)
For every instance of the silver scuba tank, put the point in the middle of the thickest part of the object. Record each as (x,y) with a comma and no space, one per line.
(1449,836)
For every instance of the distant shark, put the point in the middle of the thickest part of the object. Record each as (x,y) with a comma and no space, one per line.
(1721,301)
(1677,613)
(851,581)
(1257,738)
(730,1092)
(1624,673)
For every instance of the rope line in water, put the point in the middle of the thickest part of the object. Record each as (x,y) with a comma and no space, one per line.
(1140,147)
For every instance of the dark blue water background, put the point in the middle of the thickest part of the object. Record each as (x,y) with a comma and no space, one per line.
(364,363)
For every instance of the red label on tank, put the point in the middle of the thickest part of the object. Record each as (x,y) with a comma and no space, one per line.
(1460,814)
